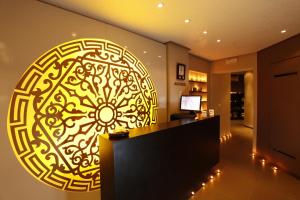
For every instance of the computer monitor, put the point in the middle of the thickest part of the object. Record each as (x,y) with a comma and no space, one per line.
(190,103)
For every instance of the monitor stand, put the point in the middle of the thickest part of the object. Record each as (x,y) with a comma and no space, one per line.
(193,113)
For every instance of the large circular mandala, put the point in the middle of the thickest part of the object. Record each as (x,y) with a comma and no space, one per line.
(68,97)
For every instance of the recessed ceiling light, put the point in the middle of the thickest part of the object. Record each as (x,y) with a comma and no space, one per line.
(145,52)
(187,21)
(283,31)
(204,32)
(160,5)
(218,40)
(159,56)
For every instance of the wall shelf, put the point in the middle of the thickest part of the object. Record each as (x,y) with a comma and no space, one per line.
(192,81)
(198,91)
(198,86)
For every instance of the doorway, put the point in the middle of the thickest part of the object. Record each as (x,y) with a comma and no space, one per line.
(237,96)
(242,98)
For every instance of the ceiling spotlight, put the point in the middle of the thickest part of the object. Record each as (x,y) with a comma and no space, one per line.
(283,31)
(144,52)
(204,32)
(218,41)
(160,5)
(159,56)
(187,21)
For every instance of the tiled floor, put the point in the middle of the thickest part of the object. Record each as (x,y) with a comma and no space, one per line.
(243,178)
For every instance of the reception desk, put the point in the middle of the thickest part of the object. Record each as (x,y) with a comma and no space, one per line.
(163,161)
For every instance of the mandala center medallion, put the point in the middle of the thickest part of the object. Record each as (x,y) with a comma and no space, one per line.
(69,96)
(106,114)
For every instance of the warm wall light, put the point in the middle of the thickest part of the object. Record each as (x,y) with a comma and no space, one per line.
(69,96)
(197,76)
(187,21)
(160,5)
(74,34)
(274,169)
(263,162)
(283,31)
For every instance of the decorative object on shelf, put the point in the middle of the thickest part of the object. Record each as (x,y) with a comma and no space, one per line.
(204,113)
(211,112)
(66,99)
(180,71)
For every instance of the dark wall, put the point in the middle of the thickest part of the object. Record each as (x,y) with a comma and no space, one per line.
(278,134)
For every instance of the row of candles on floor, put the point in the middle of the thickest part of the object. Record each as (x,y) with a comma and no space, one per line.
(225,138)
(217,173)
(210,178)
(263,162)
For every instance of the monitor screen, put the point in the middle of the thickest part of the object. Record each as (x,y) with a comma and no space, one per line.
(191,103)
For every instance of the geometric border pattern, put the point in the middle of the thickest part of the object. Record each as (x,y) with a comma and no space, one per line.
(69,96)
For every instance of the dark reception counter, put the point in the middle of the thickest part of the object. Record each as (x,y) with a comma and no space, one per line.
(163,161)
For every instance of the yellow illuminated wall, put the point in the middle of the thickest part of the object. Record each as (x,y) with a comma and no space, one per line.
(69,96)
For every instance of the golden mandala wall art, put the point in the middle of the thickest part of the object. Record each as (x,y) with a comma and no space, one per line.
(69,96)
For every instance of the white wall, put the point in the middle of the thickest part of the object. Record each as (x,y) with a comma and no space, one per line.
(220,100)
(29,29)
(249,99)
(176,54)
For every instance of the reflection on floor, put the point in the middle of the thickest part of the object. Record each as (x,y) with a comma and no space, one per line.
(244,178)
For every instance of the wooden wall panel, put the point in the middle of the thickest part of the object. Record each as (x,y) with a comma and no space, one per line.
(278,135)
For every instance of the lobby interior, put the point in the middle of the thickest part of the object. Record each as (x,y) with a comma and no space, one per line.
(259,156)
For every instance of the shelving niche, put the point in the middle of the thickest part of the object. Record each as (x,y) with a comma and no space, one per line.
(198,86)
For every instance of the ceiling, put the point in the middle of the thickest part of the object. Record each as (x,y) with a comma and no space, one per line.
(243,26)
